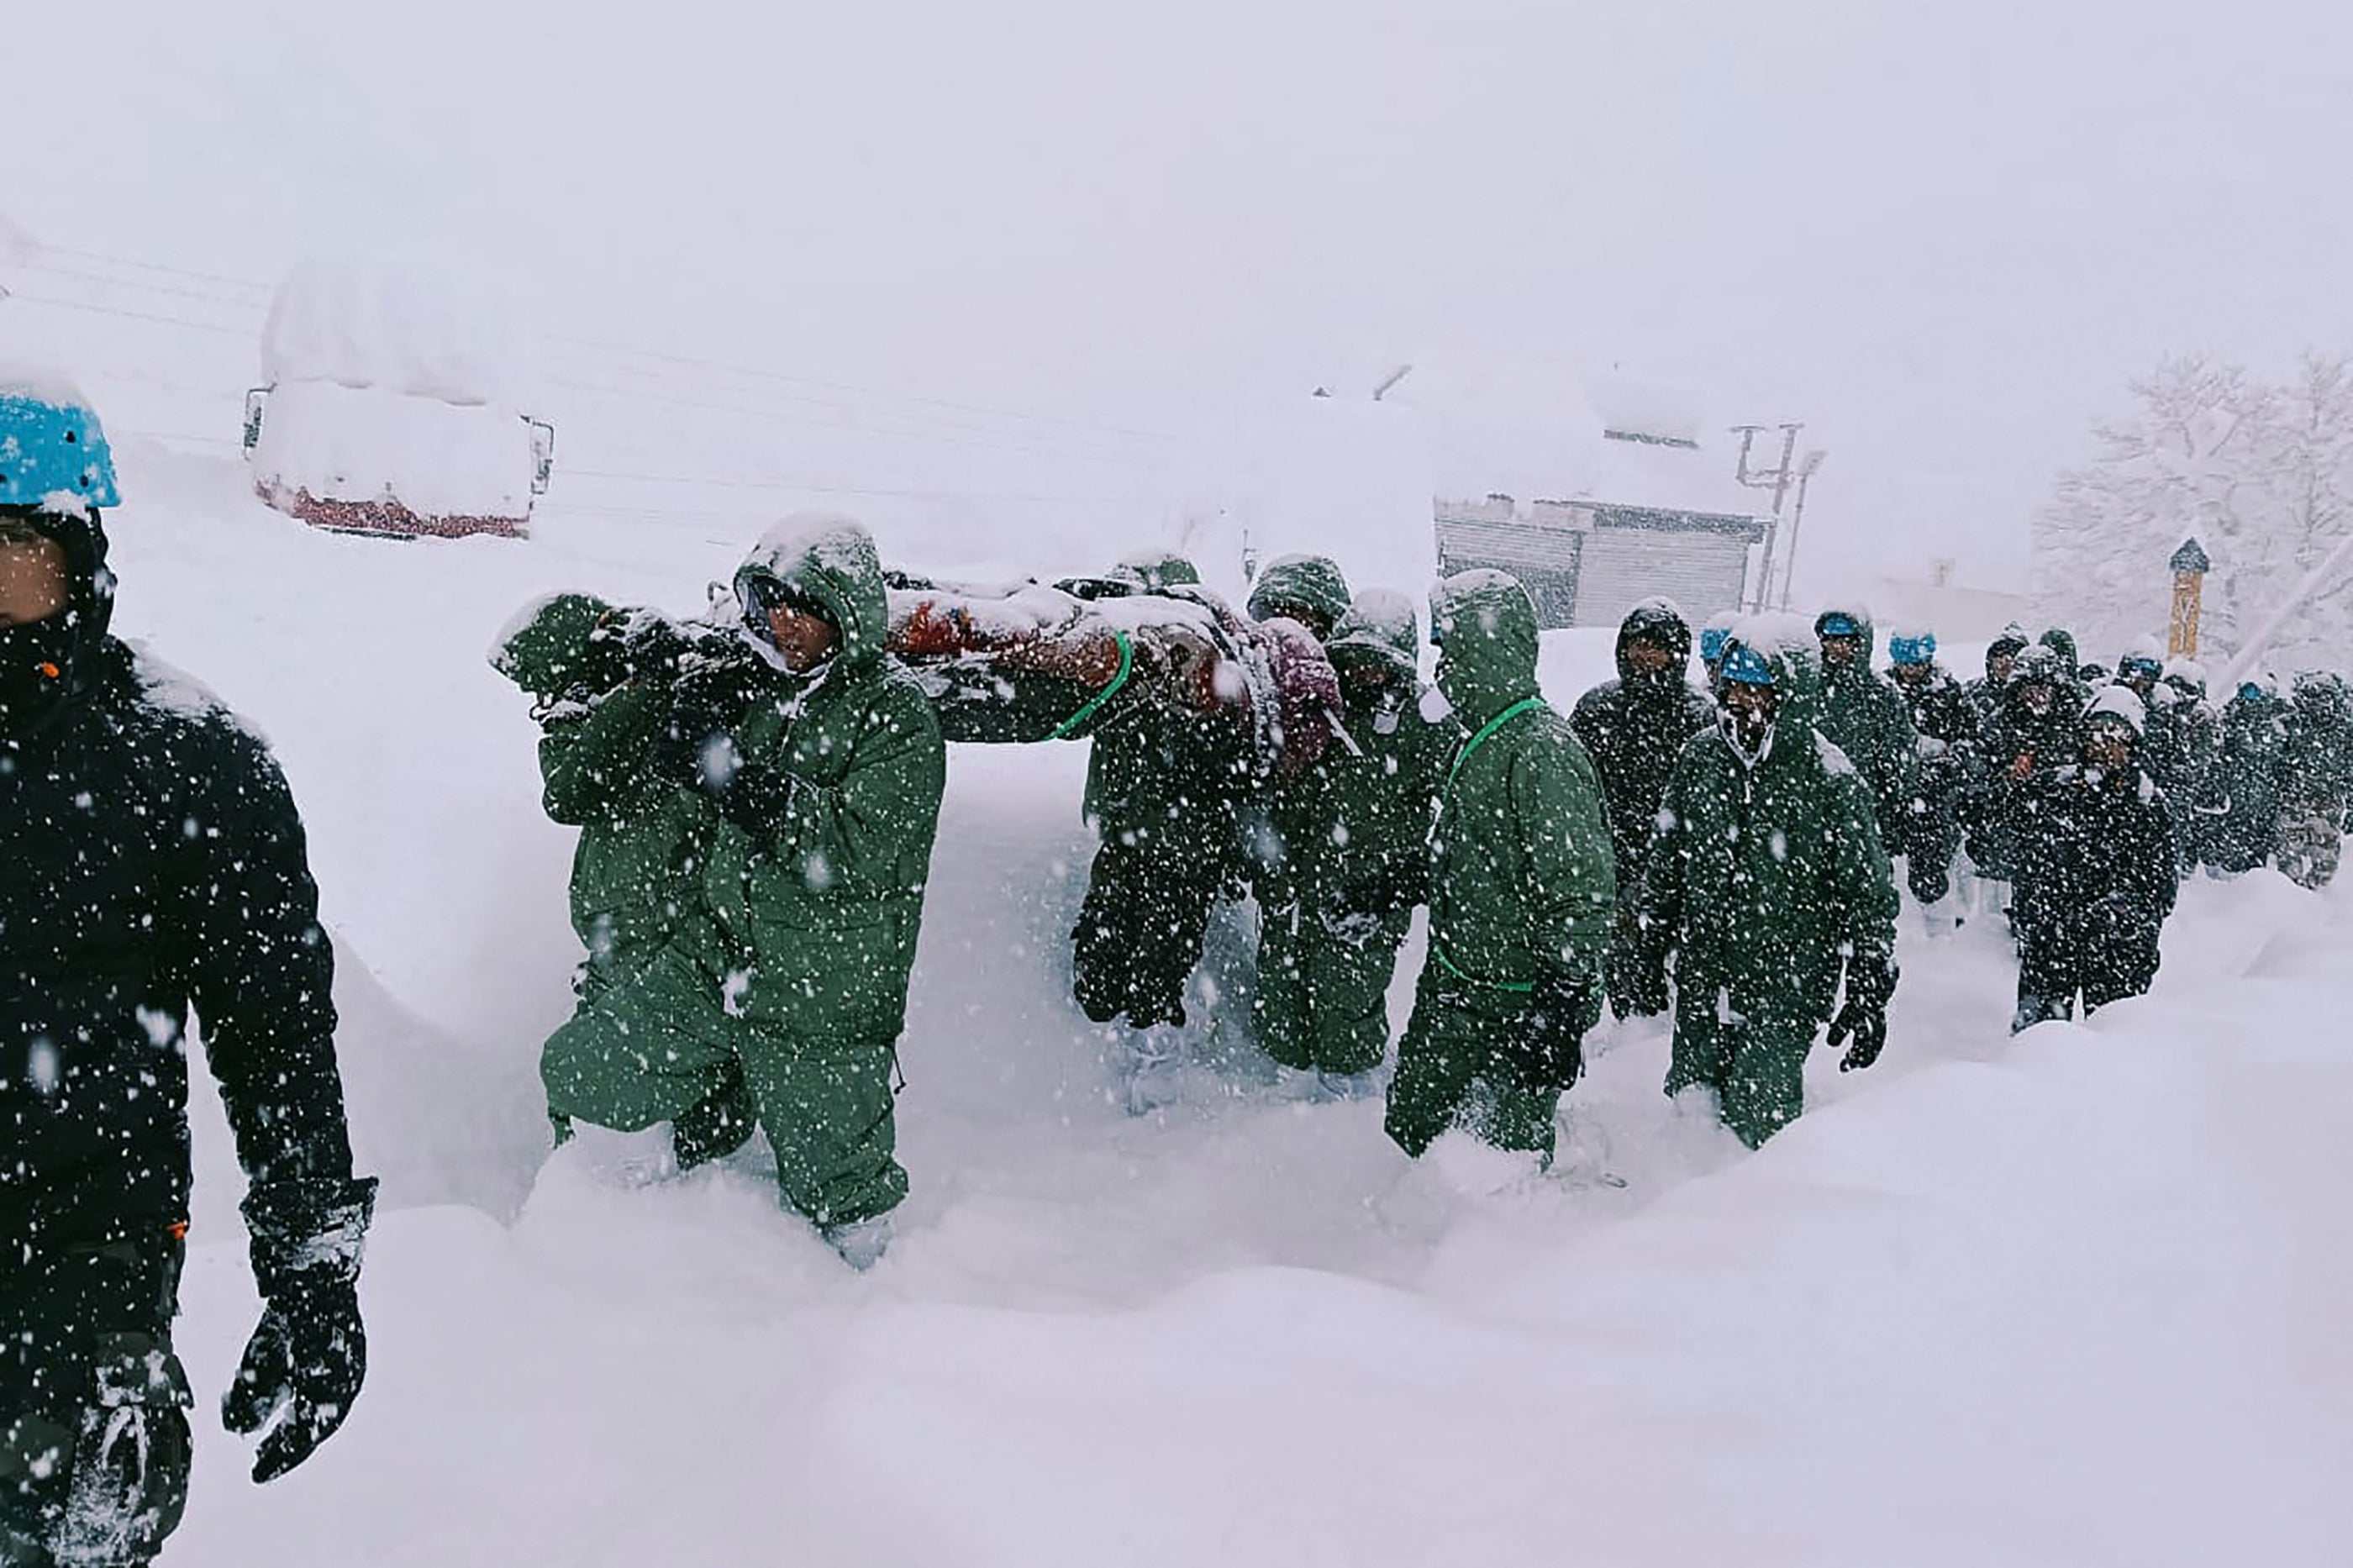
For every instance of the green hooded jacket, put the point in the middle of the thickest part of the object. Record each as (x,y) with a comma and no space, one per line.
(1314,584)
(633,870)
(1865,717)
(826,895)
(1764,878)
(1522,880)
(1359,823)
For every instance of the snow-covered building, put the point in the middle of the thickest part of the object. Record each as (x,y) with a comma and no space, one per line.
(392,404)
(1640,497)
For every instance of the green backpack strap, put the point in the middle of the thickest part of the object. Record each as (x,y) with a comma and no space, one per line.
(1486,731)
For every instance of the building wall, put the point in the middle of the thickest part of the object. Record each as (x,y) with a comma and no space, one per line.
(1702,573)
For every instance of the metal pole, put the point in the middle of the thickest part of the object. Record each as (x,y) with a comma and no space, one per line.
(1764,594)
(1780,494)
(1797,521)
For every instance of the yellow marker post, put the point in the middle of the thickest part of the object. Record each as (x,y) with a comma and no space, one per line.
(2190,567)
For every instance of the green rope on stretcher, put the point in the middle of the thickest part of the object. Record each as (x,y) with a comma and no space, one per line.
(1126,662)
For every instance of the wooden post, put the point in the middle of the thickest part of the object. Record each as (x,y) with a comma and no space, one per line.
(2190,567)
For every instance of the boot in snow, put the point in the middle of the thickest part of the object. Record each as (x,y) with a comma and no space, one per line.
(862,1242)
(1155,1061)
(1347,1086)
(2033,1010)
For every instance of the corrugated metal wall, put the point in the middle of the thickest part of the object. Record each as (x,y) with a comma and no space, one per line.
(1545,560)
(1702,573)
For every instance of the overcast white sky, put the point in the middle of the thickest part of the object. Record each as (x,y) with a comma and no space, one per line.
(1942,232)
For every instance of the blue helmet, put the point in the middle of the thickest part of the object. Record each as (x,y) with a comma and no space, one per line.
(52,447)
(1744,666)
(1921,650)
(2251,689)
(1837,623)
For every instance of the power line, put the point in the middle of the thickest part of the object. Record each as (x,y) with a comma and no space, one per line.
(909,424)
(245,333)
(772,414)
(602,346)
(103,281)
(1089,426)
(784,484)
(156,266)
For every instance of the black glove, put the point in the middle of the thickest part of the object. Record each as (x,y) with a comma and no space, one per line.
(755,798)
(707,703)
(1636,971)
(1561,1009)
(1930,880)
(1870,985)
(305,1362)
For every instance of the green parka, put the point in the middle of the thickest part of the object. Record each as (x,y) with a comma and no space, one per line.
(1522,887)
(1865,717)
(826,895)
(1354,854)
(1764,878)
(1312,583)
(1522,879)
(634,869)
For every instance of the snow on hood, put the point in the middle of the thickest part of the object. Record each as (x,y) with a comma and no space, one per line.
(2120,703)
(1380,622)
(830,557)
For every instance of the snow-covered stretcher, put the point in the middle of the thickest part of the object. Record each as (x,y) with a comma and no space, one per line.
(1028,661)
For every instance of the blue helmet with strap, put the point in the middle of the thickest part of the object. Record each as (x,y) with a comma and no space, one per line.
(1744,666)
(53,454)
(1837,623)
(1921,650)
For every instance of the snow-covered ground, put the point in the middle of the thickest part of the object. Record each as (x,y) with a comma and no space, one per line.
(2073,1298)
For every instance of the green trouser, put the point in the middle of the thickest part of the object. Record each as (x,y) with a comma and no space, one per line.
(658,1041)
(93,1431)
(1455,1070)
(1324,985)
(1757,1066)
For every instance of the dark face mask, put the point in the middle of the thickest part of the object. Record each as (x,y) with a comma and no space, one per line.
(35,672)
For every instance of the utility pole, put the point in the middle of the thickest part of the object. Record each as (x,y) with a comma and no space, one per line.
(1806,470)
(1776,480)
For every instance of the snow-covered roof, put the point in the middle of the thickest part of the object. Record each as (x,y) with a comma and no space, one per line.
(1551,432)
(406,329)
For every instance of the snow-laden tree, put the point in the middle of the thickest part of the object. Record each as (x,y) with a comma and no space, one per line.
(2260,475)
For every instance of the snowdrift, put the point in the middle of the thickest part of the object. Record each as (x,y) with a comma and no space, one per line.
(2074,1298)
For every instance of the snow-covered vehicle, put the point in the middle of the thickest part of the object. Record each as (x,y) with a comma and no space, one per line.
(392,405)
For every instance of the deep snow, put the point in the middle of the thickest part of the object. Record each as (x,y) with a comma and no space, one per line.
(2072,1298)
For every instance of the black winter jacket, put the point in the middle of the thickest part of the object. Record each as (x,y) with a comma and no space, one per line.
(1634,728)
(150,862)
(2095,854)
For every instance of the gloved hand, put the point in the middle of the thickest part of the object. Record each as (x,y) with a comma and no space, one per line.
(1562,1008)
(1930,880)
(307,1358)
(1637,973)
(754,797)
(1870,986)
(706,703)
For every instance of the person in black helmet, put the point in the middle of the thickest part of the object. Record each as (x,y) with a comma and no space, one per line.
(155,864)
